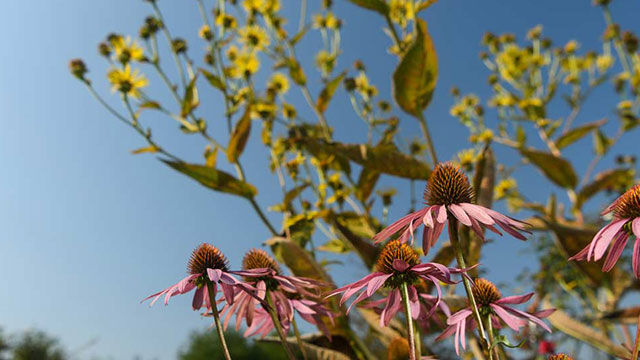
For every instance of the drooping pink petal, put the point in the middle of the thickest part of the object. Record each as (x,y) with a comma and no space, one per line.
(362,296)
(198,298)
(517,299)
(606,237)
(214,274)
(442,214)
(635,259)
(635,227)
(528,316)
(392,306)
(459,214)
(511,320)
(510,230)
(398,225)
(477,212)
(615,251)
(427,219)
(459,316)
(376,282)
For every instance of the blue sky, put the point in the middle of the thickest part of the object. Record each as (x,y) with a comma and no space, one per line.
(88,229)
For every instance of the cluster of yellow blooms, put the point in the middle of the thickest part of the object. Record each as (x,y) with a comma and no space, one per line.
(124,79)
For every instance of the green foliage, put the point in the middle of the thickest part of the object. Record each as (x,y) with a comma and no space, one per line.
(205,345)
(37,345)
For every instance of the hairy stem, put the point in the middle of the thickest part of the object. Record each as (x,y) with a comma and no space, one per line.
(427,138)
(216,317)
(298,338)
(407,310)
(453,237)
(278,326)
(493,350)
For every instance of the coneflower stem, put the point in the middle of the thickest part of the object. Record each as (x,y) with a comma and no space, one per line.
(278,326)
(407,311)
(298,338)
(636,346)
(455,243)
(216,318)
(490,339)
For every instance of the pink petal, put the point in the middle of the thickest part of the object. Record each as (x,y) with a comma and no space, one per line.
(605,239)
(376,282)
(459,316)
(459,213)
(214,274)
(512,321)
(442,214)
(427,219)
(615,251)
(635,226)
(398,225)
(400,265)
(530,317)
(198,298)
(477,212)
(636,258)
(518,299)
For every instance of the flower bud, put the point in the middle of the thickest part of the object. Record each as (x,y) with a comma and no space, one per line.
(78,68)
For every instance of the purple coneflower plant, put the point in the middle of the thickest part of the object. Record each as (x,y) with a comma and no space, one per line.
(281,295)
(399,269)
(494,310)
(448,195)
(625,223)
(208,268)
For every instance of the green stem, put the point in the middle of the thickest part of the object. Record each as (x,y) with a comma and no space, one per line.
(278,326)
(407,310)
(166,33)
(490,344)
(455,243)
(636,345)
(298,338)
(216,317)
(427,138)
(394,32)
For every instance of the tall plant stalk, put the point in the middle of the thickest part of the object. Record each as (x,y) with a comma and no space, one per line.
(216,318)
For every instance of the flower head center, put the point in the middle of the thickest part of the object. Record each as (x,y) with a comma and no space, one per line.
(560,357)
(628,205)
(485,292)
(395,250)
(448,185)
(259,259)
(206,256)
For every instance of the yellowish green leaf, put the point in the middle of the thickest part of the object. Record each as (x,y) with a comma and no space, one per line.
(190,100)
(214,179)
(214,80)
(146,149)
(603,181)
(414,80)
(578,133)
(555,168)
(327,93)
(239,136)
(376,5)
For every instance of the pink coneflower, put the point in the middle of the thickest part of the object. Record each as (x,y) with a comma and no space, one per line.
(207,266)
(285,294)
(449,193)
(207,269)
(492,304)
(625,223)
(397,263)
(399,269)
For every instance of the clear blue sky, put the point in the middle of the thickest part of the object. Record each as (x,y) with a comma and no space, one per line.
(88,229)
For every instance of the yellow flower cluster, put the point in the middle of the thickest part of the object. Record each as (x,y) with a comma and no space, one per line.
(127,81)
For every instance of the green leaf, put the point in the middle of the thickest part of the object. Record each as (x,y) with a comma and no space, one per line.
(298,260)
(578,133)
(147,149)
(501,339)
(327,93)
(375,5)
(383,158)
(293,193)
(190,100)
(555,168)
(297,37)
(149,105)
(214,179)
(574,328)
(215,81)
(239,137)
(366,182)
(601,143)
(415,77)
(334,246)
(353,229)
(603,181)
(296,73)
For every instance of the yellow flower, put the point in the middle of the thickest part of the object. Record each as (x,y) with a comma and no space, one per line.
(279,82)
(126,81)
(604,62)
(504,187)
(205,32)
(226,21)
(127,49)
(363,86)
(253,5)
(232,52)
(328,21)
(401,11)
(245,64)
(255,37)
(264,110)
(288,111)
(571,47)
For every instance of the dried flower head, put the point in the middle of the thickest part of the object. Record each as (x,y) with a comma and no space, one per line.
(78,68)
(628,205)
(447,185)
(395,250)
(207,256)
(560,357)
(485,292)
(259,259)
